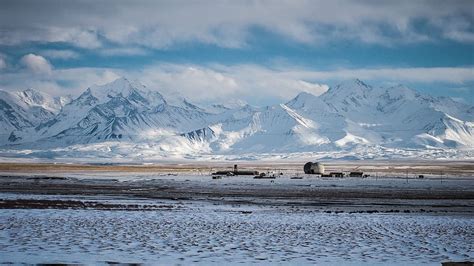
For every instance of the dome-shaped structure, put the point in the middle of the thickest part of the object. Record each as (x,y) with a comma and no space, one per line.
(313,168)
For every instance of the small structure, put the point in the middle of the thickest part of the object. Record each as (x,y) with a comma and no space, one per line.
(356,174)
(313,168)
(337,174)
(264,176)
(333,174)
(235,172)
(296,177)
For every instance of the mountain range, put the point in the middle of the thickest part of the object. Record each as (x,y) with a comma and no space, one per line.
(351,115)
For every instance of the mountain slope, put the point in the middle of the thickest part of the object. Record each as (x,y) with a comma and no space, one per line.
(351,116)
(398,115)
(26,109)
(118,110)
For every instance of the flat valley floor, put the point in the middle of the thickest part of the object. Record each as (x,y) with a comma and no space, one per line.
(179,214)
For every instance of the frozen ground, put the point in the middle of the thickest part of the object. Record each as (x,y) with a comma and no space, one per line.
(92,216)
(208,234)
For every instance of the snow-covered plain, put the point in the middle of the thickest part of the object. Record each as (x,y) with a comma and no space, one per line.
(235,220)
(129,152)
(212,234)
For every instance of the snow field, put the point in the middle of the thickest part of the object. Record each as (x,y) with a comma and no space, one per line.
(208,234)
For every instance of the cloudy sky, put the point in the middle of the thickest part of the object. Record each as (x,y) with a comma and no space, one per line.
(260,51)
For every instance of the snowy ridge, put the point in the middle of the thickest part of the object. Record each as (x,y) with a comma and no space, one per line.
(348,117)
(25,109)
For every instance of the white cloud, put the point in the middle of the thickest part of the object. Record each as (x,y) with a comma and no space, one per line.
(460,36)
(60,54)
(253,83)
(36,64)
(414,74)
(161,24)
(122,51)
(60,81)
(316,89)
(194,82)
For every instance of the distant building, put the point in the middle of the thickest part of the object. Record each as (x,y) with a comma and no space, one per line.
(356,174)
(313,168)
(236,171)
(334,174)
(337,174)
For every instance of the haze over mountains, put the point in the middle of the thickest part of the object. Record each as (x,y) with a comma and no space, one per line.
(348,117)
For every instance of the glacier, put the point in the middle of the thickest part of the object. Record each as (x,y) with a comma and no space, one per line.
(126,121)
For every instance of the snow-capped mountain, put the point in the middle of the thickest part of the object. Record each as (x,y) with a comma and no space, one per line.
(121,110)
(401,117)
(26,109)
(348,116)
(34,98)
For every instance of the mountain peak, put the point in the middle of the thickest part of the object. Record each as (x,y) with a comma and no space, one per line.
(121,82)
(306,101)
(124,82)
(32,95)
(353,84)
(401,91)
(301,98)
(31,91)
(121,86)
(235,104)
(348,88)
(304,94)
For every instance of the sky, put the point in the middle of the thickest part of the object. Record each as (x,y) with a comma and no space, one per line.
(263,52)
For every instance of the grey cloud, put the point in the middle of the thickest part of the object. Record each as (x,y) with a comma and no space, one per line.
(160,24)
